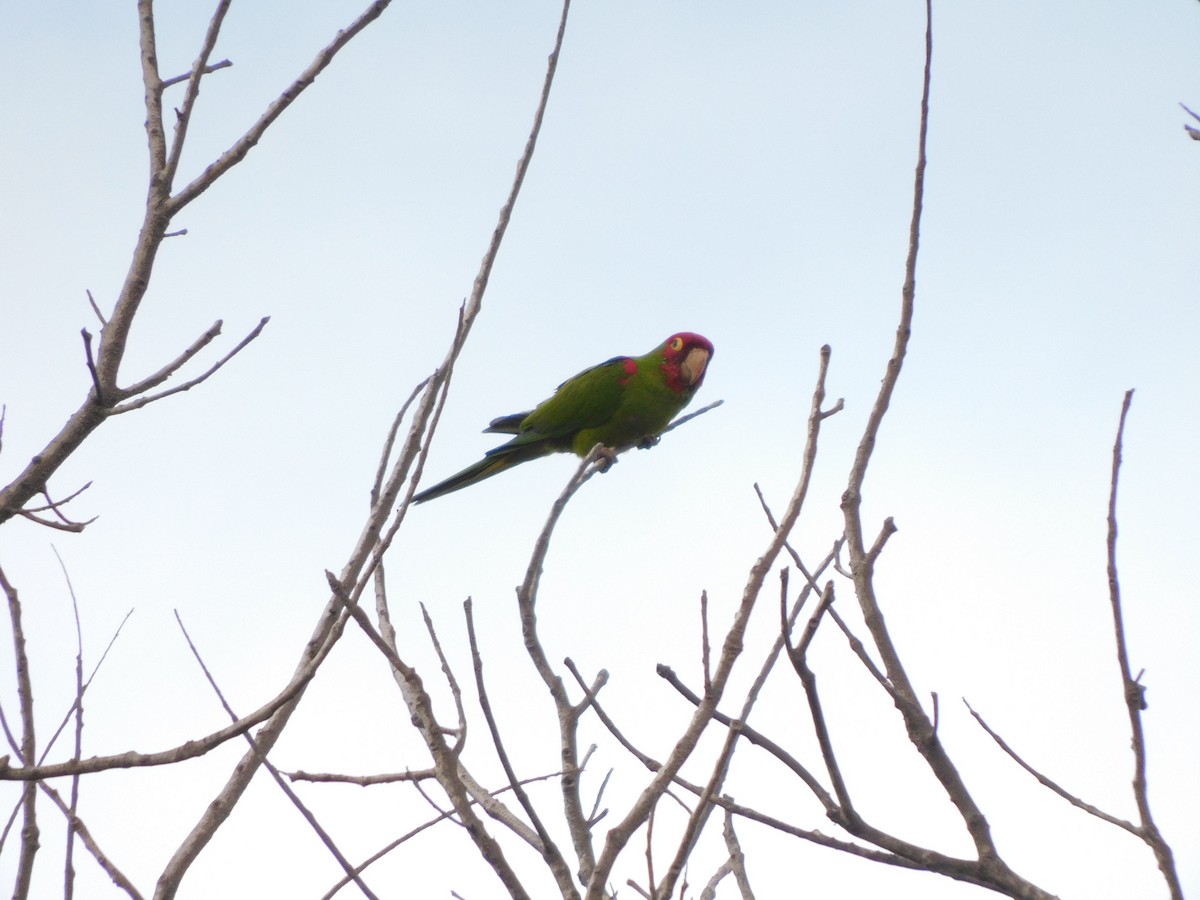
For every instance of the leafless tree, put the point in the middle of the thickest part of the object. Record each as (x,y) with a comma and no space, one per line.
(582,844)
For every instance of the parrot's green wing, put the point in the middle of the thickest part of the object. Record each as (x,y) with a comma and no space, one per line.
(582,401)
(587,400)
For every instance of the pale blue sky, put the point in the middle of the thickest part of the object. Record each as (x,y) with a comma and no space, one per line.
(740,170)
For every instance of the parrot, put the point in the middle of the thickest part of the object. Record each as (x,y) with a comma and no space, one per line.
(626,401)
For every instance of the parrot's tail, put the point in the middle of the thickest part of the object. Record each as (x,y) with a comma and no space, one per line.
(493,463)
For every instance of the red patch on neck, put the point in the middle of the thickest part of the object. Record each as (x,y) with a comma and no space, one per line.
(630,367)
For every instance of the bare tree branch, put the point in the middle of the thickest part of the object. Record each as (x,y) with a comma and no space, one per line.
(80,686)
(78,827)
(737,858)
(163,374)
(96,309)
(1192,131)
(28,747)
(362,780)
(101,399)
(73,527)
(1135,693)
(816,837)
(859,650)
(455,690)
(692,415)
(1046,781)
(756,737)
(211,333)
(390,442)
(55,506)
(207,70)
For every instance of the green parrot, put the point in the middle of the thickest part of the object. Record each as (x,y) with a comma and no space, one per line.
(626,401)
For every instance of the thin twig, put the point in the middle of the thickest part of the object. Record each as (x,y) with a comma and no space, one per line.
(685,419)
(737,858)
(80,686)
(207,70)
(55,506)
(187,385)
(210,334)
(1192,131)
(89,843)
(362,780)
(455,690)
(1046,781)
(87,684)
(73,527)
(390,441)
(1135,693)
(799,659)
(96,309)
(91,364)
(651,764)
(650,882)
(754,736)
(817,837)
(597,814)
(860,650)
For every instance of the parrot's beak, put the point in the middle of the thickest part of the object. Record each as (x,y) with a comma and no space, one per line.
(693,365)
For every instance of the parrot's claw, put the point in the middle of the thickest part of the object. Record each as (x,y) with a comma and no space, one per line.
(606,458)
(647,442)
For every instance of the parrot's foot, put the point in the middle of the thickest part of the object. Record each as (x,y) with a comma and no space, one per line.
(606,458)
(647,442)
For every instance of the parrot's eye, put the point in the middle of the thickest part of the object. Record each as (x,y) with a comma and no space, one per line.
(676,344)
